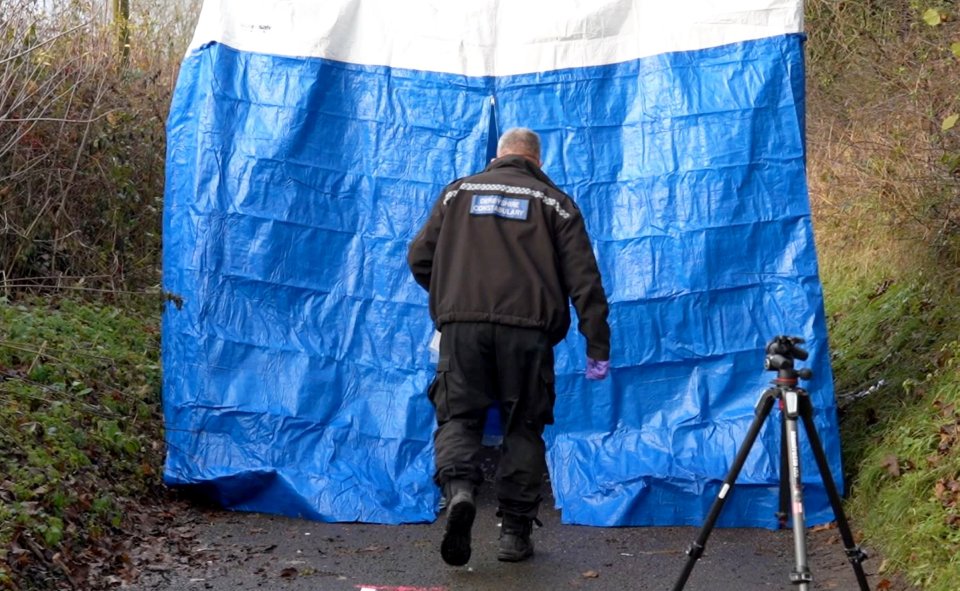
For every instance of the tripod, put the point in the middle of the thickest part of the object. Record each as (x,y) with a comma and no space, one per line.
(794,403)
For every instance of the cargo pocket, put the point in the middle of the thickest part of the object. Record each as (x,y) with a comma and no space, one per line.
(548,396)
(438,392)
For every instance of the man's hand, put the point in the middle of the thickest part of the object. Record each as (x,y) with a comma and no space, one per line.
(597,370)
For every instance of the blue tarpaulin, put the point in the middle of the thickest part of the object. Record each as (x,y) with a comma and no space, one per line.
(306,145)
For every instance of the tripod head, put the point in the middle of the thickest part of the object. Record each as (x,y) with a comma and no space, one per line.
(781,353)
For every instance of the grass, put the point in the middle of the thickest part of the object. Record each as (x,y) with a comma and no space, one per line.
(896,360)
(907,495)
(885,193)
(80,429)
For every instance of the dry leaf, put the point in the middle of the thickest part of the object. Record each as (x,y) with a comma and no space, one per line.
(824,526)
(373,548)
(892,464)
(939,489)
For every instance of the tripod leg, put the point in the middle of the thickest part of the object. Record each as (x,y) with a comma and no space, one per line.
(784,511)
(801,575)
(696,548)
(855,555)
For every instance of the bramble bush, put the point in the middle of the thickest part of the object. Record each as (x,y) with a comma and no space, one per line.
(82,142)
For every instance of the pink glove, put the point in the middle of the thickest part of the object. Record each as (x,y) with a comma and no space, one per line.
(597,370)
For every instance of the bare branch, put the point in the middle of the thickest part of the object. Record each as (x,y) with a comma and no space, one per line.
(43,43)
(60,119)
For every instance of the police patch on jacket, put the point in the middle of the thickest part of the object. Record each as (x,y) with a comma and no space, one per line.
(500,206)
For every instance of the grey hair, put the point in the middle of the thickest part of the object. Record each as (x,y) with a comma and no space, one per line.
(520,141)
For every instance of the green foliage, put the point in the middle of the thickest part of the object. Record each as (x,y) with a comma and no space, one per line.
(896,360)
(908,493)
(884,336)
(885,190)
(80,424)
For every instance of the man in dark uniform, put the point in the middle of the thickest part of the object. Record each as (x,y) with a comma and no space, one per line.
(502,255)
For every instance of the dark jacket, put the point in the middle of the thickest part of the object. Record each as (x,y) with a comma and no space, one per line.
(507,246)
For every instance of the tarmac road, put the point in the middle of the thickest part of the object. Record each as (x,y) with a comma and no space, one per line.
(231,551)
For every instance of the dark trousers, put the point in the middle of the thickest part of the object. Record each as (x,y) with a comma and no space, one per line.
(482,364)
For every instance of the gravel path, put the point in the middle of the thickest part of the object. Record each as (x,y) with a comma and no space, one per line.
(203,548)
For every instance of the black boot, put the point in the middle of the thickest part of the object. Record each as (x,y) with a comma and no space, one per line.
(455,547)
(515,544)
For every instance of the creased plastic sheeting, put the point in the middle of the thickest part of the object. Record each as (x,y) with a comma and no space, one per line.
(291,375)
(689,169)
(296,365)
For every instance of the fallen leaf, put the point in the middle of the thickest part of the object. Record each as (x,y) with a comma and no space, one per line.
(373,548)
(950,122)
(824,526)
(939,489)
(892,464)
(591,574)
(881,289)
(932,17)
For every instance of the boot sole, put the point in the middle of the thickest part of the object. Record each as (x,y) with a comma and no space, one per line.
(455,547)
(514,557)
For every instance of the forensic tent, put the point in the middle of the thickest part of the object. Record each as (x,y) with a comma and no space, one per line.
(307,143)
